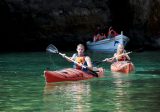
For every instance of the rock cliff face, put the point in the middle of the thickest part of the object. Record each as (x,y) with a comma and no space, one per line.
(33,24)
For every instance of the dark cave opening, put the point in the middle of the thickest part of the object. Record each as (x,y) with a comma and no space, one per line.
(121,14)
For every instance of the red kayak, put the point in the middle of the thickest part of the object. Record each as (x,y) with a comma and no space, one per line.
(69,74)
(122,66)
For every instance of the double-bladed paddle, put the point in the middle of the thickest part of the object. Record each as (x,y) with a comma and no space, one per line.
(99,62)
(52,49)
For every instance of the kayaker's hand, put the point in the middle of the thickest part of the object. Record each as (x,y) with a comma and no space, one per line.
(108,60)
(95,69)
(82,65)
(126,55)
(63,55)
(105,59)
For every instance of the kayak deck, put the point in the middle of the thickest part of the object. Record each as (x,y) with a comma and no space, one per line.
(122,66)
(69,74)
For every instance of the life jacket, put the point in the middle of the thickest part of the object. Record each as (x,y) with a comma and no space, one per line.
(122,58)
(80,60)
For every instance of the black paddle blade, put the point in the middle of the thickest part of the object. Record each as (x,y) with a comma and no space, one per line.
(95,74)
(52,49)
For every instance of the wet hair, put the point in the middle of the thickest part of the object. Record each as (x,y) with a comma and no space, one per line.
(120,45)
(80,45)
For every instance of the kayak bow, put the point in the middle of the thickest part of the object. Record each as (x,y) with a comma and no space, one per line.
(122,66)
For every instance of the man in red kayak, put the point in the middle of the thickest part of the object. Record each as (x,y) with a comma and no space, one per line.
(84,62)
(81,58)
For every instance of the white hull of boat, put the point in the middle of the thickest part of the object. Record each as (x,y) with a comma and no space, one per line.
(108,45)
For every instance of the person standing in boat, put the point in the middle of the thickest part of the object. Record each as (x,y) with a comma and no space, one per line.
(111,33)
(120,55)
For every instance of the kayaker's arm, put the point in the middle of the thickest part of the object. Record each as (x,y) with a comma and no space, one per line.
(110,59)
(90,67)
(123,54)
(116,57)
(89,63)
(126,55)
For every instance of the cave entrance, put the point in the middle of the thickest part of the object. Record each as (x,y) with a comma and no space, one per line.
(121,14)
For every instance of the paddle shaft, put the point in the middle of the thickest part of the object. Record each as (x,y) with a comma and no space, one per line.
(99,62)
(83,66)
(71,60)
(116,56)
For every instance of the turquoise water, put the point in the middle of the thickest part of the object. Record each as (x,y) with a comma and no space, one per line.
(23,88)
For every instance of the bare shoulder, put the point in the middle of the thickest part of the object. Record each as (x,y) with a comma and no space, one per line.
(87,58)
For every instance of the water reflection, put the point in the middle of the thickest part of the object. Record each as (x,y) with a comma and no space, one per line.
(121,95)
(156,72)
(67,96)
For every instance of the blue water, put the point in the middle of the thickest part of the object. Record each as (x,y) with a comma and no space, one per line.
(23,87)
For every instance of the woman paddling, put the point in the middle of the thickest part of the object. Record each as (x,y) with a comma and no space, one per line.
(120,55)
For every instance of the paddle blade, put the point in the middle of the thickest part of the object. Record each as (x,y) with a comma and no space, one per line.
(52,49)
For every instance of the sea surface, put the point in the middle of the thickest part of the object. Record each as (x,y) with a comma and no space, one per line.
(23,87)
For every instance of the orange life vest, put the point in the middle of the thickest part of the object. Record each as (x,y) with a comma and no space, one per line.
(80,60)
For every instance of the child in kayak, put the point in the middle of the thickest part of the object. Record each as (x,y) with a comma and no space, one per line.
(120,55)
